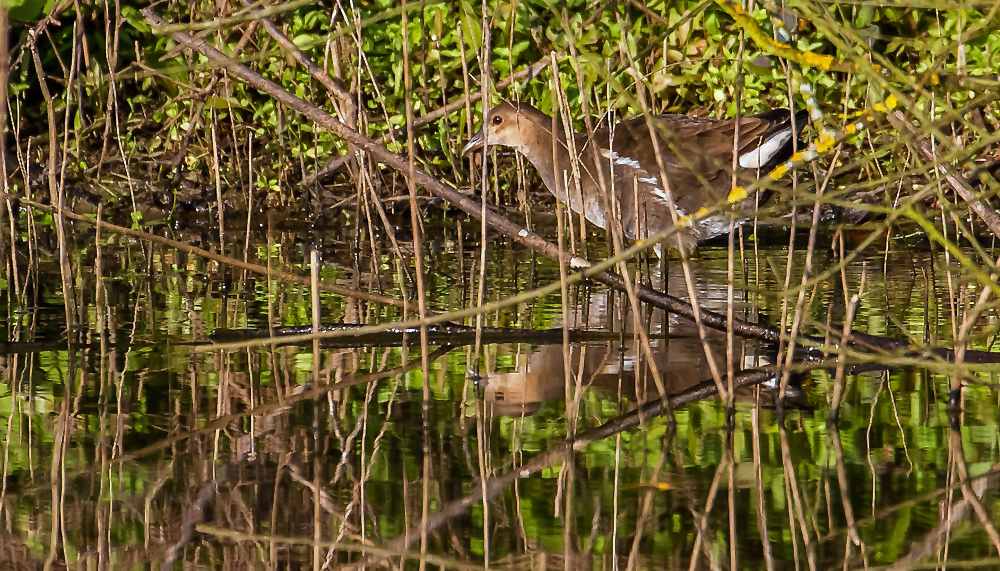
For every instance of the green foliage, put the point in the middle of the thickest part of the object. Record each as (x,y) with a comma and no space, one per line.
(27,10)
(684,55)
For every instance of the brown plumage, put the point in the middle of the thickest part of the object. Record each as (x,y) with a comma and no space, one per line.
(696,155)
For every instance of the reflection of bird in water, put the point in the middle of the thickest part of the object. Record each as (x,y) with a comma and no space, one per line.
(610,367)
(620,367)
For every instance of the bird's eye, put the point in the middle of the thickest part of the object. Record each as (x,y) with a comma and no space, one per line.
(497,119)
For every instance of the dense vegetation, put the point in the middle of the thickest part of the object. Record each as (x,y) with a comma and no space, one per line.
(133,97)
(122,420)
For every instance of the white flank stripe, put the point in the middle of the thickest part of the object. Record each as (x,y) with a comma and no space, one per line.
(627,162)
(649,180)
(662,195)
(620,160)
(763,154)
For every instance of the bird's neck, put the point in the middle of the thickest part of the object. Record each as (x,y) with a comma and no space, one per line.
(549,153)
(558,159)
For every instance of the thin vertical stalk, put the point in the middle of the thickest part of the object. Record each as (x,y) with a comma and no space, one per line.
(731,496)
(800,304)
(217,179)
(702,540)
(317,487)
(5,190)
(758,473)
(55,190)
(486,88)
(795,511)
(411,186)
(853,534)
(838,381)
(571,184)
(250,209)
(729,397)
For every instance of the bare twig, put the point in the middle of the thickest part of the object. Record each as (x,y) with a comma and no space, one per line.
(986,213)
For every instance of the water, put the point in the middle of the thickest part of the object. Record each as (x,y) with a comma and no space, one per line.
(117,445)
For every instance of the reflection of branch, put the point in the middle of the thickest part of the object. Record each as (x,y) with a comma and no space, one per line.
(698,519)
(558,452)
(493,486)
(794,501)
(852,525)
(195,514)
(953,515)
(356,335)
(956,512)
(442,562)
(306,395)
(703,539)
(968,494)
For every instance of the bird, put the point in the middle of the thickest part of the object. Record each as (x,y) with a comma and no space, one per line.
(620,166)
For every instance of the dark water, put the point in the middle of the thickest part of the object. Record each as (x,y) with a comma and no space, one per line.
(140,443)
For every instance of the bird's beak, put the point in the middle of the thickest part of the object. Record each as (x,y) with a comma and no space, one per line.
(477,141)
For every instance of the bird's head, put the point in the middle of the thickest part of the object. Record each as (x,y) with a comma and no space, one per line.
(507,124)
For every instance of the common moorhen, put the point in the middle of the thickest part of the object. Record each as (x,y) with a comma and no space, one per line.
(621,162)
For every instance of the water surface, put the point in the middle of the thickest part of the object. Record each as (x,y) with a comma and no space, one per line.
(129,428)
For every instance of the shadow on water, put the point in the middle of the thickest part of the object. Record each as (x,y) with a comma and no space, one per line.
(132,440)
